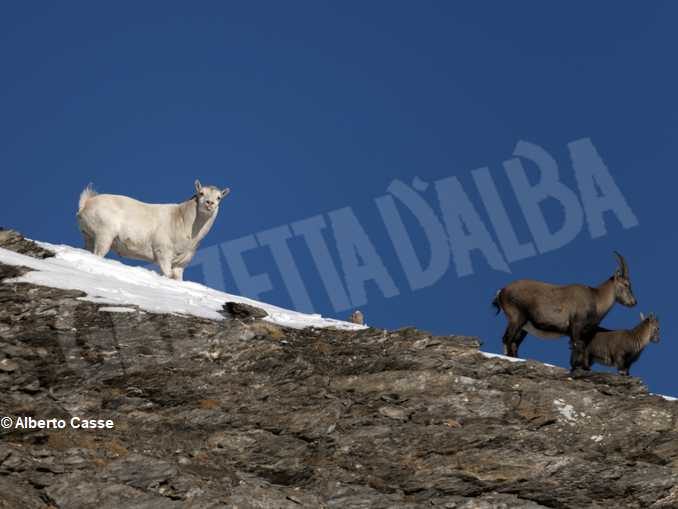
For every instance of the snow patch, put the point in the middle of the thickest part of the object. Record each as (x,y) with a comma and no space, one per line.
(112,282)
(498,356)
(667,398)
(114,309)
(491,355)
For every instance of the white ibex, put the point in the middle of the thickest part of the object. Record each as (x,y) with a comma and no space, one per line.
(167,234)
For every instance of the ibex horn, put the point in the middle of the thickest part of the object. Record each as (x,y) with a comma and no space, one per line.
(622,265)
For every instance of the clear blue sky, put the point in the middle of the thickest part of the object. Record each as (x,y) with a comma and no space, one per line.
(308,107)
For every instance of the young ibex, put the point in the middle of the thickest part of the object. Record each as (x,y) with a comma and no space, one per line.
(550,311)
(357,317)
(621,348)
(167,234)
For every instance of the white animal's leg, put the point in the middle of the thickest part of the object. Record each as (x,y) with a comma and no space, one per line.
(178,273)
(164,260)
(165,267)
(102,244)
(89,242)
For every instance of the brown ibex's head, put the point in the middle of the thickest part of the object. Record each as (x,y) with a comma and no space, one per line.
(622,284)
(652,321)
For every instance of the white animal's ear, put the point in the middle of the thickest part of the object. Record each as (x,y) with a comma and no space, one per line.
(642,316)
(198,187)
(225,192)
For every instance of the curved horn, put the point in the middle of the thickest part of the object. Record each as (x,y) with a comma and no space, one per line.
(622,265)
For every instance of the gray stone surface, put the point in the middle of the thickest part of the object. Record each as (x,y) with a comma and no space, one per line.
(240,310)
(246,414)
(13,240)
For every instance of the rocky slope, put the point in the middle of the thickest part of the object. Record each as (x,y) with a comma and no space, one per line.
(243,413)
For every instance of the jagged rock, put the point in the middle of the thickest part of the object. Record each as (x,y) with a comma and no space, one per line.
(14,241)
(8,365)
(242,311)
(205,417)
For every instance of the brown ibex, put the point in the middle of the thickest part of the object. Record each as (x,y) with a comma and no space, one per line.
(551,311)
(621,348)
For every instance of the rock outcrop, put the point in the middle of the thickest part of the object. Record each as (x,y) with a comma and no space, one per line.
(247,414)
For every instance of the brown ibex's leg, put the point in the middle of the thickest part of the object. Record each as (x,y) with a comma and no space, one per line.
(623,366)
(507,338)
(513,336)
(578,346)
(586,360)
(517,339)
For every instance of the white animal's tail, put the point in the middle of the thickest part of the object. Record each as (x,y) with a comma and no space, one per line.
(86,194)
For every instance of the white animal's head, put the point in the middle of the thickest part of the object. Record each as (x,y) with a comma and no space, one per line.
(209,197)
